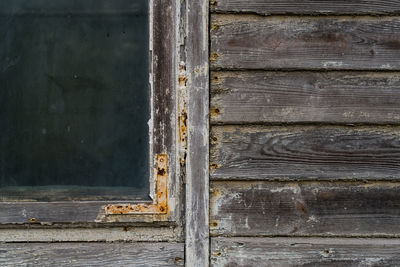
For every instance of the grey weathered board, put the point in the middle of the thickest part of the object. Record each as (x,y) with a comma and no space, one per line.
(305,153)
(304,252)
(257,42)
(67,212)
(55,212)
(323,97)
(308,208)
(197,160)
(92,254)
(267,7)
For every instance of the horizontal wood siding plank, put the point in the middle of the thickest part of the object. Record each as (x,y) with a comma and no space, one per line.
(92,254)
(314,7)
(323,97)
(256,42)
(308,208)
(305,153)
(304,252)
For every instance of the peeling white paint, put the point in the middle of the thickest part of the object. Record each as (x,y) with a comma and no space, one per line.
(312,219)
(277,221)
(333,64)
(295,188)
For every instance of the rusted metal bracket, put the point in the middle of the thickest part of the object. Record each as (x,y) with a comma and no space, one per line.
(160,203)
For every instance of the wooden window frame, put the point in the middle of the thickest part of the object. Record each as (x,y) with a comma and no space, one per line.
(164,183)
(180,76)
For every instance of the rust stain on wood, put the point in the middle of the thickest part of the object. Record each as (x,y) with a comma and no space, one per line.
(182,119)
(182,80)
(213,4)
(214,56)
(182,114)
(215,112)
(159,206)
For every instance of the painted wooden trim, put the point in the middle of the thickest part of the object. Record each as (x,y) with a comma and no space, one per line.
(197,169)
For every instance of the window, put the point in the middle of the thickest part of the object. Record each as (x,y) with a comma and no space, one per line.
(87,109)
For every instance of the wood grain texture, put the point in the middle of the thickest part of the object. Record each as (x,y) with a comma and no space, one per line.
(308,208)
(197,160)
(123,233)
(256,42)
(69,212)
(163,75)
(314,7)
(304,252)
(51,212)
(92,254)
(293,97)
(163,124)
(305,153)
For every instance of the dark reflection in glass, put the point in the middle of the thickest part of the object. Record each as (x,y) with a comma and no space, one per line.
(74,97)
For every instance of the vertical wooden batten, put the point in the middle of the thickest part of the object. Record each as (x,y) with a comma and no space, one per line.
(197,166)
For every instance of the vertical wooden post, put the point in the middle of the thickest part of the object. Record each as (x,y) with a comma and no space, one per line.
(197,173)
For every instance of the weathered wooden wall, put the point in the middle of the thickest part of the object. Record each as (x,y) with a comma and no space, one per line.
(305,137)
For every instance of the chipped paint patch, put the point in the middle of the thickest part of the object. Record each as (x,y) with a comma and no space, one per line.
(333,64)
(295,188)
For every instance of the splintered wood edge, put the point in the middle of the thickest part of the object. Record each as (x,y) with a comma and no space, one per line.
(160,203)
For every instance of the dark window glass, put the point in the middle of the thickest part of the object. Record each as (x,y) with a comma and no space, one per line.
(74,99)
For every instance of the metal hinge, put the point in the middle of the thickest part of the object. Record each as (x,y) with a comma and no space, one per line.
(160,203)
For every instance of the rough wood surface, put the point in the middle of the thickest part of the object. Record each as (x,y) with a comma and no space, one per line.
(52,212)
(92,254)
(304,252)
(319,208)
(256,42)
(125,232)
(164,41)
(267,7)
(71,212)
(305,153)
(163,124)
(323,97)
(197,164)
